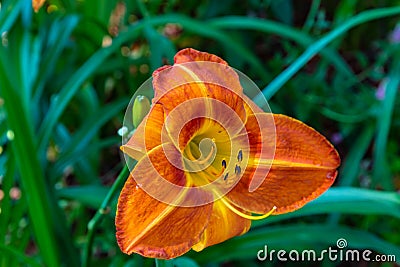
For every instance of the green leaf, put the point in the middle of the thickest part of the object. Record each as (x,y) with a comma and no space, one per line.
(18,256)
(56,38)
(32,178)
(268,27)
(351,165)
(9,13)
(381,169)
(283,10)
(315,48)
(90,195)
(48,225)
(184,262)
(82,138)
(164,263)
(204,29)
(61,100)
(345,200)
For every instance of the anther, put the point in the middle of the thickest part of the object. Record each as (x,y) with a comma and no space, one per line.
(226,176)
(238,170)
(224,163)
(240,156)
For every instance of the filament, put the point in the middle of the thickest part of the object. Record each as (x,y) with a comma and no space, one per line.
(247,216)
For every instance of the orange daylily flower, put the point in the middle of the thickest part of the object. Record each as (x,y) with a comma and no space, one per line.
(209,160)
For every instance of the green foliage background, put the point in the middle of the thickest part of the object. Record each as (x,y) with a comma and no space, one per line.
(68,72)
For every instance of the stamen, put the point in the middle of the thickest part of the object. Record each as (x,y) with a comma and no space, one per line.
(238,170)
(226,176)
(240,155)
(193,161)
(224,163)
(208,156)
(247,216)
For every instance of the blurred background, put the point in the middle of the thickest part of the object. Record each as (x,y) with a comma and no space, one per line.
(68,71)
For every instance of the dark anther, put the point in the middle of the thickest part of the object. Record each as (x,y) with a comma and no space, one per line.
(240,156)
(238,170)
(225,176)
(224,163)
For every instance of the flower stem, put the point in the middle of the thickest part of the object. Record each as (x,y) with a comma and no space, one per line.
(104,209)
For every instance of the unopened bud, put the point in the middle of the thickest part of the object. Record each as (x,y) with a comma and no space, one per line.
(140,108)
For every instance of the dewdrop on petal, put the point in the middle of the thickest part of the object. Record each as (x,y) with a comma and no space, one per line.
(140,108)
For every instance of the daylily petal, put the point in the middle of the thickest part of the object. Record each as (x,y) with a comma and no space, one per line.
(162,175)
(142,221)
(155,229)
(299,143)
(190,55)
(197,75)
(187,92)
(187,111)
(223,225)
(196,69)
(304,166)
(261,137)
(250,106)
(147,135)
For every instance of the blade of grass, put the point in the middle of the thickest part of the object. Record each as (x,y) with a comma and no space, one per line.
(184,262)
(6,184)
(18,256)
(23,63)
(316,47)
(267,26)
(90,195)
(61,101)
(31,175)
(82,138)
(207,30)
(350,167)
(346,200)
(311,15)
(381,169)
(344,118)
(159,45)
(104,209)
(164,263)
(72,158)
(5,208)
(9,13)
(49,228)
(57,39)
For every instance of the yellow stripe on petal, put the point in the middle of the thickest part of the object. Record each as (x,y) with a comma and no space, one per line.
(223,224)
(276,163)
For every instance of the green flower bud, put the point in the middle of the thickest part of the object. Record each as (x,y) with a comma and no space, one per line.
(140,108)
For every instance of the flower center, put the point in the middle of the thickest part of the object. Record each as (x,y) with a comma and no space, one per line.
(207,153)
(210,155)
